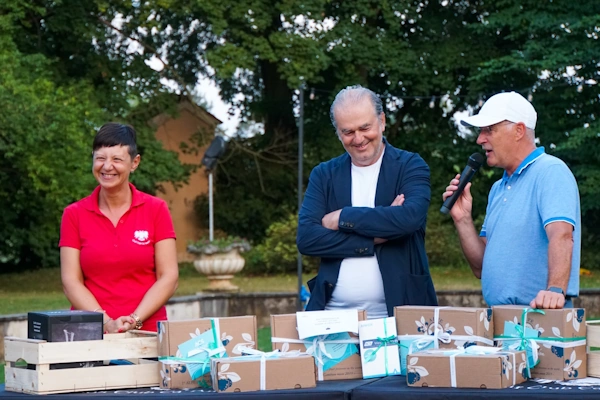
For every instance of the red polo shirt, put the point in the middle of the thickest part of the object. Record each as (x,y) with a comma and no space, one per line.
(118,262)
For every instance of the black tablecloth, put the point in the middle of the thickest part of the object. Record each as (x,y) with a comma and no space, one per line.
(334,390)
(395,387)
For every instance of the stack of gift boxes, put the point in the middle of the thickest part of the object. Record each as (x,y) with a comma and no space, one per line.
(220,353)
(456,351)
(433,346)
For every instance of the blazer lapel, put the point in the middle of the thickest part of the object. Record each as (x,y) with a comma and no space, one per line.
(342,184)
(388,174)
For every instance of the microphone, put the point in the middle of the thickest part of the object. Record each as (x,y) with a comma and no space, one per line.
(473,165)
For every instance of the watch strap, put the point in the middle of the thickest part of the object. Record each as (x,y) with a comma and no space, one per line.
(556,289)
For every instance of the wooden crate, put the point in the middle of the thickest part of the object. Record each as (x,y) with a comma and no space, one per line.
(593,355)
(133,346)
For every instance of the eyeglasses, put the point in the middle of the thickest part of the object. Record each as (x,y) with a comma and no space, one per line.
(487,130)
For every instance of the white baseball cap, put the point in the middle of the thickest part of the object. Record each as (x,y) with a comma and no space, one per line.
(504,107)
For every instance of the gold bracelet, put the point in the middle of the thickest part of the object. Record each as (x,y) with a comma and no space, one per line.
(138,321)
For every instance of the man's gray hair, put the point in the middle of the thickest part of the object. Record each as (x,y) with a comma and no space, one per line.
(354,94)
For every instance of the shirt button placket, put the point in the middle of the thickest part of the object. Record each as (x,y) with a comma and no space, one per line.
(117,232)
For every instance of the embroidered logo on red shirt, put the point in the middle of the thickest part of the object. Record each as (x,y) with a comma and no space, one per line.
(141,237)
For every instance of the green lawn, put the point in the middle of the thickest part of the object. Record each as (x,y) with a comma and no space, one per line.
(41,290)
(264,339)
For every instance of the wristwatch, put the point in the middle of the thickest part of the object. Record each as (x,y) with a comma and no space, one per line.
(138,321)
(556,289)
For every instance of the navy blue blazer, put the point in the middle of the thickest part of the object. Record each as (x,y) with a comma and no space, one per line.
(402,259)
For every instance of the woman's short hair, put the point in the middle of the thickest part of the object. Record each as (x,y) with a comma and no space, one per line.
(115,134)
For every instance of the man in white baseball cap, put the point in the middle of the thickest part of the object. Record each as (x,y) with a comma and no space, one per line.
(528,249)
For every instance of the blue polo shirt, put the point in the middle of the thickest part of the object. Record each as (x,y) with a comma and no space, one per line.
(542,190)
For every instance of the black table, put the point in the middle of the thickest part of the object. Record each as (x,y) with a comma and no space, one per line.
(395,387)
(329,390)
(390,388)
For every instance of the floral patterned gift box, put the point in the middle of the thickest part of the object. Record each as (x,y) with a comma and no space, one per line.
(555,340)
(336,355)
(185,347)
(478,367)
(267,371)
(428,327)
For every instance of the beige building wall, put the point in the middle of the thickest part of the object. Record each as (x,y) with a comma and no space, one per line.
(172,132)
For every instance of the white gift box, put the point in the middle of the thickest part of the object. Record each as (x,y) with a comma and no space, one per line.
(379,347)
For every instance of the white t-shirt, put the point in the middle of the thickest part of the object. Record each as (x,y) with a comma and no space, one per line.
(359,283)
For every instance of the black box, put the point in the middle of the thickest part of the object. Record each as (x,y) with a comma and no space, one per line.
(65,325)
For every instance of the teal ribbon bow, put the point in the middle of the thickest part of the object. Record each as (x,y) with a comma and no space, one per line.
(525,342)
(213,349)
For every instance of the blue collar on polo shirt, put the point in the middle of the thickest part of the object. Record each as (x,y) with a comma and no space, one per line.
(530,159)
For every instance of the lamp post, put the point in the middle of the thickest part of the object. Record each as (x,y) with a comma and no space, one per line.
(215,150)
(300,186)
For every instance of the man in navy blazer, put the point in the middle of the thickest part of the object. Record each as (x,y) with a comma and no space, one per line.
(364,215)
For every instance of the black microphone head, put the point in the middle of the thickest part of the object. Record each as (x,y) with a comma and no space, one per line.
(475,160)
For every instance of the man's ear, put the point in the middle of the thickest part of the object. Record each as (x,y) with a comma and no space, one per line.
(520,131)
(382,121)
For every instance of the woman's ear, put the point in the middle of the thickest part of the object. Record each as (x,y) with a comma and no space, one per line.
(136,163)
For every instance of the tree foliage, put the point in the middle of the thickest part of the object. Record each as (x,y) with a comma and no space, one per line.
(427,59)
(57,88)
(45,135)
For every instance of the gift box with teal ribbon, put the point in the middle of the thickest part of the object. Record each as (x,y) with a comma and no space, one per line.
(336,354)
(428,327)
(379,347)
(185,347)
(197,352)
(554,339)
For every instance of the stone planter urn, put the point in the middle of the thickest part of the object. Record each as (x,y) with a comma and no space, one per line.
(219,260)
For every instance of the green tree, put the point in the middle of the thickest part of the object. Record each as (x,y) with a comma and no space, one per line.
(45,139)
(427,60)
(84,45)
(264,50)
(61,80)
(258,55)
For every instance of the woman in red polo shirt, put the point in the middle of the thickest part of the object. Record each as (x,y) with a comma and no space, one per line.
(117,246)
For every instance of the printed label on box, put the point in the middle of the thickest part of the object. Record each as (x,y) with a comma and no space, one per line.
(316,323)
